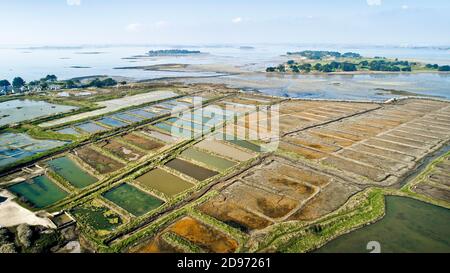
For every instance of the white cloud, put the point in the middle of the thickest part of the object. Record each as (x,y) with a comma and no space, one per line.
(374,2)
(161,24)
(134,27)
(405,7)
(236,20)
(73,2)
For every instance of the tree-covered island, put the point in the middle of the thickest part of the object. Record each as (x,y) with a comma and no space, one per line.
(331,61)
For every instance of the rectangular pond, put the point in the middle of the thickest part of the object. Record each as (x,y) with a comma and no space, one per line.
(97,216)
(164,182)
(192,170)
(132,199)
(14,111)
(244,144)
(210,160)
(71,172)
(127,117)
(39,192)
(91,127)
(112,122)
(142,113)
(68,131)
(14,147)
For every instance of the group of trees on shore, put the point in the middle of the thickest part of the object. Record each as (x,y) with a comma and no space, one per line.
(43,84)
(318,54)
(17,82)
(335,66)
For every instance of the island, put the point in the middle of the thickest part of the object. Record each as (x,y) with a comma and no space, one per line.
(332,61)
(172,52)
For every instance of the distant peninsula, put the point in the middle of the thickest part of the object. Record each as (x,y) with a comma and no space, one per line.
(172,52)
(310,61)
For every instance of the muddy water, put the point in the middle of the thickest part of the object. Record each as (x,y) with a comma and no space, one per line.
(70,171)
(409,226)
(132,199)
(190,169)
(164,182)
(40,191)
(215,162)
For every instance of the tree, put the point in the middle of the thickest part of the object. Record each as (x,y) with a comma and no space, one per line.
(444,68)
(364,63)
(327,68)
(295,69)
(290,62)
(109,82)
(407,69)
(348,67)
(318,67)
(70,84)
(281,68)
(50,78)
(4,83)
(18,82)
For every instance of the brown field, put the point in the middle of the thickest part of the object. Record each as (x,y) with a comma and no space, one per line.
(98,161)
(141,142)
(120,150)
(233,214)
(328,200)
(260,201)
(379,144)
(280,176)
(372,173)
(156,245)
(314,144)
(295,114)
(305,152)
(204,236)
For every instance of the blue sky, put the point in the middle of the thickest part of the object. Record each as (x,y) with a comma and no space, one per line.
(61,22)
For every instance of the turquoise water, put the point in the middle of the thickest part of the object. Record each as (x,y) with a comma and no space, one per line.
(70,171)
(40,192)
(409,226)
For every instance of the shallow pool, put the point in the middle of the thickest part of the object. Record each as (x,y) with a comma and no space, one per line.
(39,192)
(91,127)
(210,160)
(71,172)
(112,122)
(14,111)
(192,170)
(164,182)
(132,199)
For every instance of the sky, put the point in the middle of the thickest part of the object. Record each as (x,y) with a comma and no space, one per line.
(80,22)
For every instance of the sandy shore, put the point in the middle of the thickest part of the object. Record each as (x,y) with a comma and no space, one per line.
(12,214)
